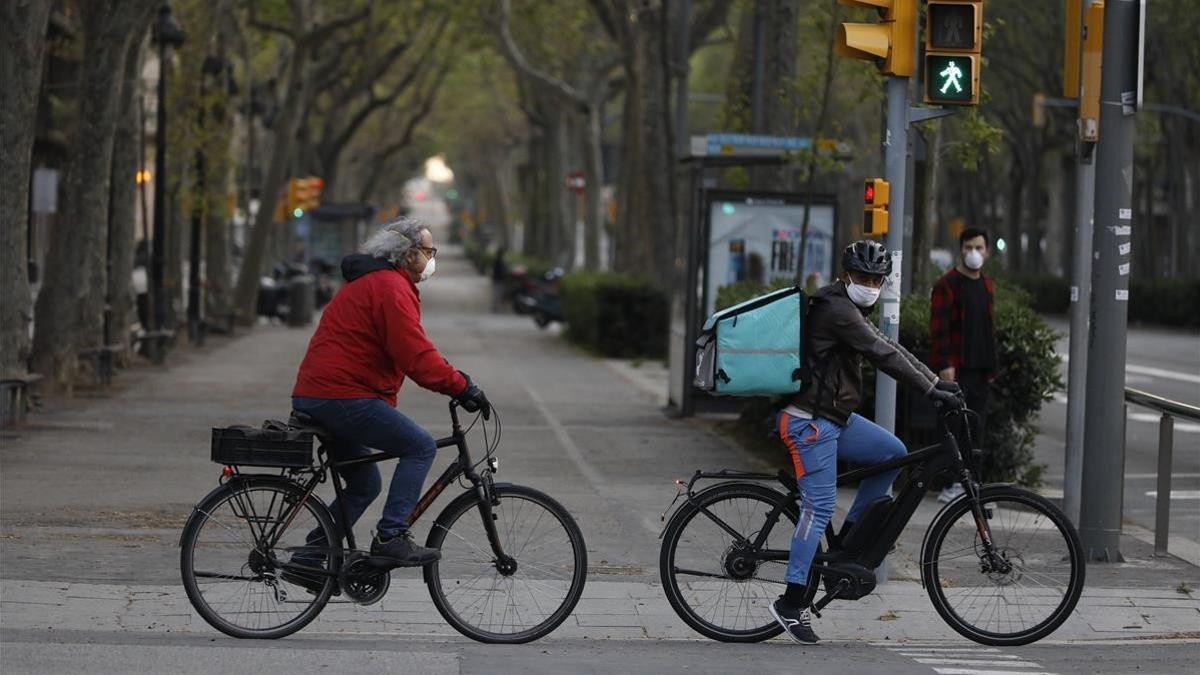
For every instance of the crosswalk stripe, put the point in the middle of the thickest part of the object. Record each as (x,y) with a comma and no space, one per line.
(976,671)
(942,654)
(978,662)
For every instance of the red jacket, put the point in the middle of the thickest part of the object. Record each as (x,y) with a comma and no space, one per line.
(946,320)
(370,338)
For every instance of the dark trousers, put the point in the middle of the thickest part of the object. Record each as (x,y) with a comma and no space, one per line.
(974,384)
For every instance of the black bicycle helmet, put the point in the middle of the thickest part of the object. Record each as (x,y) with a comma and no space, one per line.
(868,257)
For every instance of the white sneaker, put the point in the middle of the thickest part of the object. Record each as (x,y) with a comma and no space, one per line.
(950,493)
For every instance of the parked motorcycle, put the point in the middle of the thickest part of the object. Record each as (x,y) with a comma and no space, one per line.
(540,297)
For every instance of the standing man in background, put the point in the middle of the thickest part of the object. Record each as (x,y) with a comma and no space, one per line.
(962,332)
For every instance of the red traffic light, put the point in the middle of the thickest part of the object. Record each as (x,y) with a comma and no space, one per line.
(869,193)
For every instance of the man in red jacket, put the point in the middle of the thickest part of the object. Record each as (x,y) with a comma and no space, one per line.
(368,341)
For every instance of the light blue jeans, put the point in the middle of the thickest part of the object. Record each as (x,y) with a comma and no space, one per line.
(361,424)
(815,446)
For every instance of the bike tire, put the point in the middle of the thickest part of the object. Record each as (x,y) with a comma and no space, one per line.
(529,524)
(258,577)
(999,609)
(743,502)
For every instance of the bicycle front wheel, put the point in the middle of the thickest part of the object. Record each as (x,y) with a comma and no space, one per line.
(489,600)
(245,563)
(714,581)
(1034,589)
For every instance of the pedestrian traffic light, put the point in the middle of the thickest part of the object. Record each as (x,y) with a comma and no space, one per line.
(1084,63)
(891,43)
(953,44)
(876,193)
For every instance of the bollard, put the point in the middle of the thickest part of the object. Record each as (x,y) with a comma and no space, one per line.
(301,300)
(1162,502)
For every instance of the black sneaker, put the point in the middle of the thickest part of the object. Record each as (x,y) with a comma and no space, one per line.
(796,622)
(400,550)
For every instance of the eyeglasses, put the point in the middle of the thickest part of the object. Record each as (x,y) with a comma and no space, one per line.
(429,251)
(872,280)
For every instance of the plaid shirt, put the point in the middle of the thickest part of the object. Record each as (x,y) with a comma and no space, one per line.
(946,320)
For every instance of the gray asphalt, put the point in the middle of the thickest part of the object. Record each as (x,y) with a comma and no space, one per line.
(1165,363)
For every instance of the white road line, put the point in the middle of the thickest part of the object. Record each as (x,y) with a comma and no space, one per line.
(968,650)
(1153,372)
(1177,494)
(599,483)
(951,654)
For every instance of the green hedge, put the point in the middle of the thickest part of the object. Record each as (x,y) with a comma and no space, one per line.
(1167,302)
(615,315)
(1027,377)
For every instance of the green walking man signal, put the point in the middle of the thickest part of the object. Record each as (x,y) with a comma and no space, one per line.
(953,42)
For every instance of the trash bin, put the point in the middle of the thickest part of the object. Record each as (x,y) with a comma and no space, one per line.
(302,300)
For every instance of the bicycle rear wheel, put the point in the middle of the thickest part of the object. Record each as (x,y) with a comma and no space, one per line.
(244,563)
(488,601)
(715,584)
(1003,607)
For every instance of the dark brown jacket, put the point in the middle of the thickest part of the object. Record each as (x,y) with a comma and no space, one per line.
(838,335)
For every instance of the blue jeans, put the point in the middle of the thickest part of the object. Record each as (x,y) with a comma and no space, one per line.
(361,424)
(815,446)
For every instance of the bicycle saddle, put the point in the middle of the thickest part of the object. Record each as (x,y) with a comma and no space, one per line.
(305,422)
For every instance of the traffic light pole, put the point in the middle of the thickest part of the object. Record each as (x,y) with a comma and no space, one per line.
(1104,434)
(895,146)
(1081,304)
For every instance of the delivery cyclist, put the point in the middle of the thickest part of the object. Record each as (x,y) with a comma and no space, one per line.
(820,424)
(368,342)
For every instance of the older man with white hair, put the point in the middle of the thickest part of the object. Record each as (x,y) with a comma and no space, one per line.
(368,341)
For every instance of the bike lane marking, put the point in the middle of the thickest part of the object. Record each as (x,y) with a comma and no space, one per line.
(946,659)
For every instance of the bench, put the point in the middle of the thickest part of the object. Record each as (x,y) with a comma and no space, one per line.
(153,343)
(18,395)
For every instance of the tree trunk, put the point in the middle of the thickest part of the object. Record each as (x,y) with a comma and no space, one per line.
(126,161)
(1016,194)
(925,230)
(648,210)
(298,86)
(21,78)
(70,306)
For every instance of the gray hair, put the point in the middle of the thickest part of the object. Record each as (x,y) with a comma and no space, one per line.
(395,239)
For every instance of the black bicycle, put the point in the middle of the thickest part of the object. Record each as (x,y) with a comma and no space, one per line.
(262,554)
(1002,565)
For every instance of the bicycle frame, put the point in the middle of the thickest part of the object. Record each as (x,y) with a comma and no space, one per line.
(462,466)
(929,461)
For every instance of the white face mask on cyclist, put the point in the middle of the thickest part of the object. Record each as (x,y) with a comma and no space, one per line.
(863,296)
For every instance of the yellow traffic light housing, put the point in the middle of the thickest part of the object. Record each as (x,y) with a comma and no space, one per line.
(876,194)
(953,47)
(891,42)
(1084,64)
(313,198)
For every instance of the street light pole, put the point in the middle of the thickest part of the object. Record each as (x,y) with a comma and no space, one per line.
(166,34)
(895,145)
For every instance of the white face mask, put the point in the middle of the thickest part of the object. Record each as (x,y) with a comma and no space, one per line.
(863,296)
(430,267)
(973,259)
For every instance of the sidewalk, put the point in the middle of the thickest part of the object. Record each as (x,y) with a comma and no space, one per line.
(95,492)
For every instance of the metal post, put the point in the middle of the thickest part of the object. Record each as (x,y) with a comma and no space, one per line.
(1104,444)
(895,145)
(1162,501)
(1081,303)
(159,243)
(195,329)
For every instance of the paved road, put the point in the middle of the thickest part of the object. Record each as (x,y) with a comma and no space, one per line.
(1165,363)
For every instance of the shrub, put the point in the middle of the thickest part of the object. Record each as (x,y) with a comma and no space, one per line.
(1049,294)
(1027,376)
(615,315)
(1170,302)
(728,296)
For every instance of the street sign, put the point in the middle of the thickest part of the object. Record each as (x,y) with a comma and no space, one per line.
(949,79)
(575,182)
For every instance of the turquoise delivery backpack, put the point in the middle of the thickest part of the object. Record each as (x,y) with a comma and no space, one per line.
(754,348)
